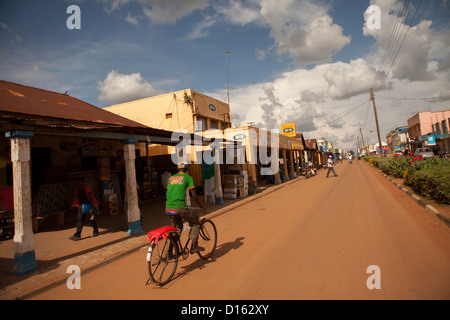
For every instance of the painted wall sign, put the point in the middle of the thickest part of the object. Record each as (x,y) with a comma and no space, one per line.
(240,136)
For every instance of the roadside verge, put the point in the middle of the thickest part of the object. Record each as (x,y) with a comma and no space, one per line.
(417,198)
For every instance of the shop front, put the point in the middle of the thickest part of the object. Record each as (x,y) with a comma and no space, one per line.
(49,141)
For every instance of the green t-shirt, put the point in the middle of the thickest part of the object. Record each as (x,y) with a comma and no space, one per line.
(176,190)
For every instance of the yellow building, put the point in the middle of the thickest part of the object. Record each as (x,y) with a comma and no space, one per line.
(186,110)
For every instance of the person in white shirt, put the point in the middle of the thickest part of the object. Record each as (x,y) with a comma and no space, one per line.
(330,163)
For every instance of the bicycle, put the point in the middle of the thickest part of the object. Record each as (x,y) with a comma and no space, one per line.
(166,248)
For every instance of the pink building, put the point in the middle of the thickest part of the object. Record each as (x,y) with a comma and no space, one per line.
(424,124)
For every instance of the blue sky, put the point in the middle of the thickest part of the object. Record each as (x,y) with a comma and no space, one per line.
(311,62)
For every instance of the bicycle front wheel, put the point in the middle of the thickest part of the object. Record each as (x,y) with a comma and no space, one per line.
(162,260)
(207,239)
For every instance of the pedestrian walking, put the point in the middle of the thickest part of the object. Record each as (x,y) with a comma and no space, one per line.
(330,164)
(87,206)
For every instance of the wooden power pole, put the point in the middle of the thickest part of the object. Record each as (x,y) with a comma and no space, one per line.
(362,140)
(376,121)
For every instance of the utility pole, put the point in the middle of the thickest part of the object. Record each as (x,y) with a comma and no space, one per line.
(376,121)
(362,139)
(357,146)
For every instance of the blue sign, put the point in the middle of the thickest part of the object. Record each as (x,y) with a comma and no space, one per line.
(239,136)
(431,140)
(212,107)
(288,130)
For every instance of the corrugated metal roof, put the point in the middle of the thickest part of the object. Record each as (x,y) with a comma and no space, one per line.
(311,144)
(18,98)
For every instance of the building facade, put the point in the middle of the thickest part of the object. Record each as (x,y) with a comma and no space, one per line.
(397,139)
(423,130)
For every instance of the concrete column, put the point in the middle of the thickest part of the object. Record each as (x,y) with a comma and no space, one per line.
(297,163)
(292,174)
(252,173)
(218,183)
(24,256)
(133,212)
(286,174)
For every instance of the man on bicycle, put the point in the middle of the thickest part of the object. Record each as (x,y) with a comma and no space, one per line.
(176,206)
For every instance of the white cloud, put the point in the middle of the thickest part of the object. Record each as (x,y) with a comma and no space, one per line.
(132,19)
(200,29)
(315,42)
(159,11)
(239,13)
(349,79)
(118,88)
(332,101)
(169,12)
(303,30)
(416,45)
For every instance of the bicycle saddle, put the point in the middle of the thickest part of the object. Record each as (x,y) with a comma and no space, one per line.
(162,232)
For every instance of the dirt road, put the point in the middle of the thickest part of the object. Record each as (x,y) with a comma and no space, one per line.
(313,239)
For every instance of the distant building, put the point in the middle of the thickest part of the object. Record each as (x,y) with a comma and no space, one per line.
(430,129)
(397,139)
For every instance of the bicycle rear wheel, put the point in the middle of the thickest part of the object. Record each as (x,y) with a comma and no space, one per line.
(207,239)
(162,260)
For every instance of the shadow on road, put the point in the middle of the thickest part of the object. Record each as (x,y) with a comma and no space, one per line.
(199,263)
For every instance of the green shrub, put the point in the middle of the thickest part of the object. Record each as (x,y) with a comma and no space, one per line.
(427,177)
(384,164)
(432,182)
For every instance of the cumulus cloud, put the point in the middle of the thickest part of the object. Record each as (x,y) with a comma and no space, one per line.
(303,30)
(315,42)
(415,42)
(349,79)
(300,29)
(118,88)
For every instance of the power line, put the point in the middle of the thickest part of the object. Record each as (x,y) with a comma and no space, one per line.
(427,99)
(395,43)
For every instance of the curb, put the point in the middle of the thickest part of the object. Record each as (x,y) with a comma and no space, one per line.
(419,200)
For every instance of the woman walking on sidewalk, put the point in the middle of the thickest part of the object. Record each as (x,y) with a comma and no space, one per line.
(87,206)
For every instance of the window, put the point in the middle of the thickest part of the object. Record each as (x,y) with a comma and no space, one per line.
(438,128)
(213,124)
(444,127)
(168,116)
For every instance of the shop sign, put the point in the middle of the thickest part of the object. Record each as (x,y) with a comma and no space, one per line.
(288,129)
(431,140)
(212,107)
(240,136)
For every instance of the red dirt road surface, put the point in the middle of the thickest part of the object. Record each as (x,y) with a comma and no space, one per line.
(312,239)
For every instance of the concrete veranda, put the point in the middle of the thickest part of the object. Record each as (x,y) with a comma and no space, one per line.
(55,252)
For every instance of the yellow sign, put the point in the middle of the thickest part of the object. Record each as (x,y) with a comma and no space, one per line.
(288,129)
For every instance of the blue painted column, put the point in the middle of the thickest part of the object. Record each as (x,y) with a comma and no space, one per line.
(24,256)
(133,212)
